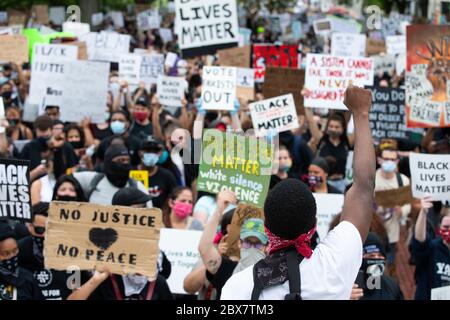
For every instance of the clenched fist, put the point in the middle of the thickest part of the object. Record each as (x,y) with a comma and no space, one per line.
(358,100)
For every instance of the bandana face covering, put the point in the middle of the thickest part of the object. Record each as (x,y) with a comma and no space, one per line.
(301,244)
(9,270)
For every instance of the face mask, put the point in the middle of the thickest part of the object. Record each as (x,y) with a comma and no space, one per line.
(39,230)
(77,144)
(181,72)
(373,267)
(334,134)
(3,80)
(13,122)
(285,167)
(43,142)
(117,173)
(445,234)
(140,116)
(163,158)
(118,127)
(389,166)
(249,257)
(182,209)
(66,198)
(150,159)
(10,265)
(106,116)
(7,95)
(315,181)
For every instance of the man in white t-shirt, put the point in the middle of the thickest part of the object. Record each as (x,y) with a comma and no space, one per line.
(292,270)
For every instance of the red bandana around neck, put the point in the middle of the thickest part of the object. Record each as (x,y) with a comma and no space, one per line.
(302,243)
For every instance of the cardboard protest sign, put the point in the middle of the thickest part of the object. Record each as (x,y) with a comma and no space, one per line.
(181,249)
(387,117)
(15,198)
(140,175)
(89,236)
(322,26)
(16,18)
(130,68)
(348,44)
(219,88)
(237,163)
(430,174)
(85,91)
(106,46)
(152,66)
(40,13)
(394,197)
(327,78)
(234,57)
(274,115)
(284,56)
(77,28)
(57,15)
(14,48)
(328,206)
(396,45)
(279,81)
(426,86)
(170,90)
(49,72)
(240,215)
(203,26)
(245,85)
(375,46)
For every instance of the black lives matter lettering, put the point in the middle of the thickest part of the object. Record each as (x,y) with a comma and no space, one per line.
(387,116)
(15,200)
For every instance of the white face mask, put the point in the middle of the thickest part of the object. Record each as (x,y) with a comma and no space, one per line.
(249,257)
(134,284)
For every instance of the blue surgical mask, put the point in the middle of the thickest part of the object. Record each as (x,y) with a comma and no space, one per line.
(150,159)
(163,158)
(118,127)
(389,166)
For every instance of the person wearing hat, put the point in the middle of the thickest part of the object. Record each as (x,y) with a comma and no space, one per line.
(141,127)
(317,177)
(16,283)
(100,187)
(253,240)
(161,181)
(372,283)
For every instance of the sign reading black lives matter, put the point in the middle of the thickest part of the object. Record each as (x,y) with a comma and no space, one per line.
(15,199)
(203,26)
(387,116)
(89,236)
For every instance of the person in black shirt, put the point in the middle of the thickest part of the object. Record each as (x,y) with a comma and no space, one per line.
(16,283)
(372,283)
(161,180)
(52,283)
(141,127)
(317,177)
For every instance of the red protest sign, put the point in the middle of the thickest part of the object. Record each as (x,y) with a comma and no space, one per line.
(284,56)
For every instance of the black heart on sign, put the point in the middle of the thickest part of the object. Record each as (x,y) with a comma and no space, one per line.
(103,238)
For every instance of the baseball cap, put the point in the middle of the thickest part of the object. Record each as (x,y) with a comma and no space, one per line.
(254,227)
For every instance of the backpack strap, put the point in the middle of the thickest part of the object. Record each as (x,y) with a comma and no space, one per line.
(294,276)
(93,185)
(399,179)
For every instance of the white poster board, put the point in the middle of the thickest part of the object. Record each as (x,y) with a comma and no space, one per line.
(328,206)
(430,174)
(219,88)
(396,45)
(181,249)
(130,68)
(152,65)
(245,77)
(327,77)
(348,44)
(57,15)
(106,46)
(77,28)
(276,114)
(170,90)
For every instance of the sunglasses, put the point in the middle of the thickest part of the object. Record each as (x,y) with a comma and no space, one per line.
(248,245)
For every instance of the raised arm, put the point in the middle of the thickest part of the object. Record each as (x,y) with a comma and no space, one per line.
(157,131)
(420,230)
(210,255)
(359,199)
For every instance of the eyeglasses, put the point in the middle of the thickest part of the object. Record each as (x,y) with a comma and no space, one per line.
(248,245)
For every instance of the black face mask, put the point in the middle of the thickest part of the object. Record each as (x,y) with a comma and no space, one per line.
(117,173)
(9,267)
(39,230)
(77,144)
(7,95)
(13,122)
(43,141)
(66,198)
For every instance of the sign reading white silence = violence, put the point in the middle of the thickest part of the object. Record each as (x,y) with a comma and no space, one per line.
(387,116)
(15,199)
(430,174)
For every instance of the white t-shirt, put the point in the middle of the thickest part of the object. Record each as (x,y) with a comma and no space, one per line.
(328,275)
